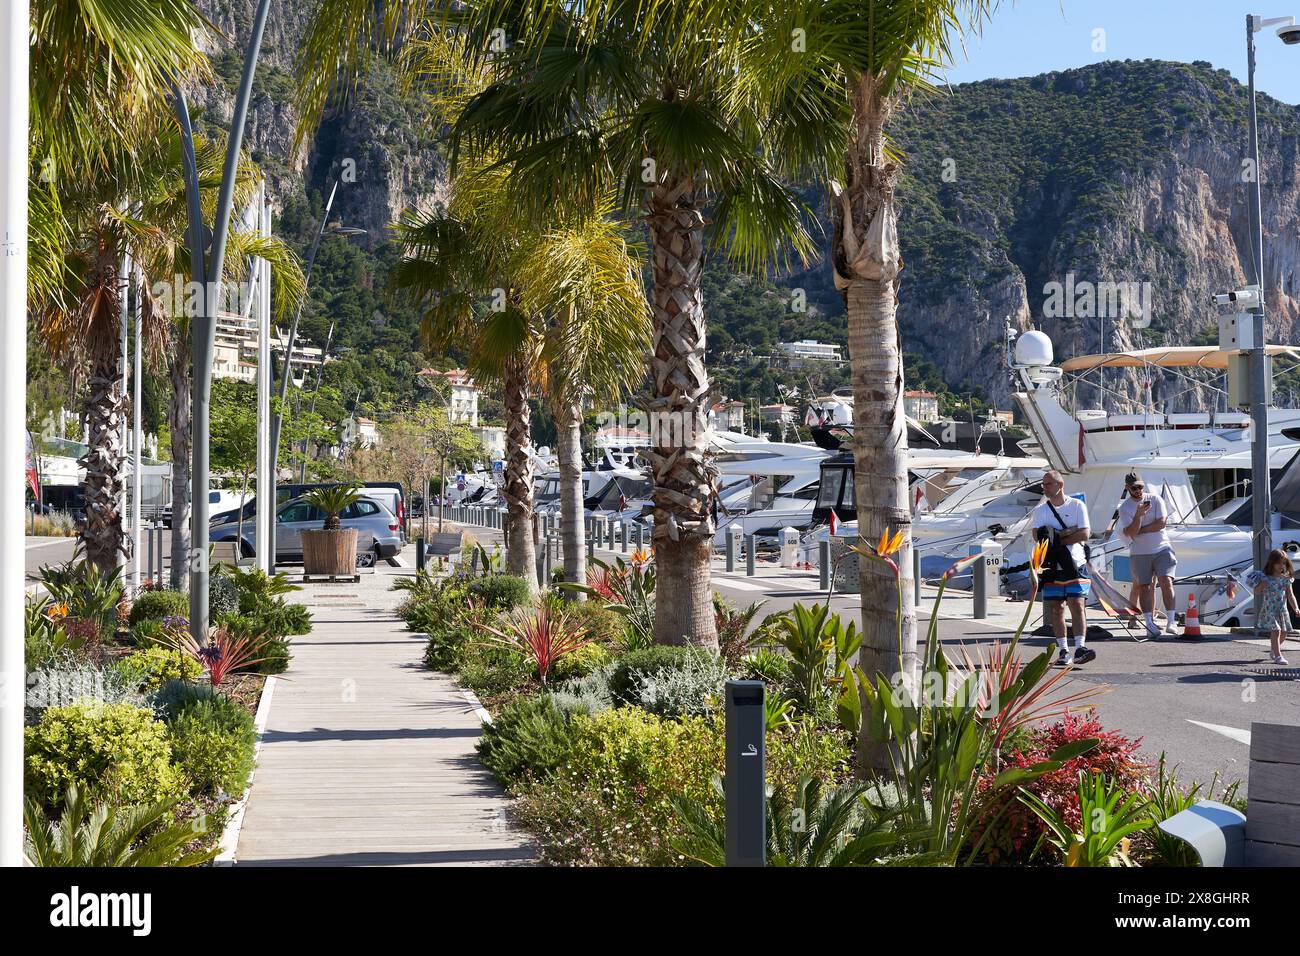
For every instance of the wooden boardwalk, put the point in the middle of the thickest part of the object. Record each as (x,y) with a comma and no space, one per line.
(368,759)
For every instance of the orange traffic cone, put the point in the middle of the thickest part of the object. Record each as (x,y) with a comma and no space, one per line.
(1192,621)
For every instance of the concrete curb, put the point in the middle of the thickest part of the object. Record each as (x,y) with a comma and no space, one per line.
(230,835)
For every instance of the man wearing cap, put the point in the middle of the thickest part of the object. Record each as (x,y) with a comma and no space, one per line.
(1142,521)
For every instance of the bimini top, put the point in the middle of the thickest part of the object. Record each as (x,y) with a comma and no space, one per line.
(1186,357)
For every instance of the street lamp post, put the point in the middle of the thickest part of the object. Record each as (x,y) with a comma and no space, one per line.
(15,29)
(1261,488)
(207,258)
(277,422)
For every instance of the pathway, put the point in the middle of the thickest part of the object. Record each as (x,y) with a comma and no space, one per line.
(368,759)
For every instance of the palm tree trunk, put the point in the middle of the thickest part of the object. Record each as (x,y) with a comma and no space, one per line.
(684,479)
(867,263)
(178,420)
(102,485)
(568,424)
(521,556)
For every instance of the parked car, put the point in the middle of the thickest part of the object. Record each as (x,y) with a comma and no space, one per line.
(389,493)
(379,532)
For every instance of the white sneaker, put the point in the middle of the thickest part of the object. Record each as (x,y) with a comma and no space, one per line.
(1065,658)
(1171,628)
(1279,659)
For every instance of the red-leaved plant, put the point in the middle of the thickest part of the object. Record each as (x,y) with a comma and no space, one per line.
(222,655)
(543,634)
(1013,828)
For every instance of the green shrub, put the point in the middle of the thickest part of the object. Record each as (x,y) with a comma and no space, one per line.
(448,640)
(223,596)
(156,605)
(597,620)
(625,679)
(278,616)
(501,592)
(581,662)
(529,737)
(491,670)
(67,680)
(169,699)
(152,667)
(271,650)
(147,633)
(212,743)
(608,803)
(694,687)
(116,751)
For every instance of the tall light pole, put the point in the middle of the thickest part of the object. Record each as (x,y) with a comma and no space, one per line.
(15,29)
(1261,485)
(277,422)
(207,258)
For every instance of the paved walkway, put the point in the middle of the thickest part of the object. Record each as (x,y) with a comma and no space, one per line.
(368,759)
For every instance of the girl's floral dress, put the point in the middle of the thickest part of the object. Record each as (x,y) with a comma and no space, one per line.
(1272,614)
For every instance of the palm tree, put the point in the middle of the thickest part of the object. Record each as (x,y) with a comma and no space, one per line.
(856,64)
(97,72)
(620,93)
(573,286)
(457,263)
(583,277)
(81,317)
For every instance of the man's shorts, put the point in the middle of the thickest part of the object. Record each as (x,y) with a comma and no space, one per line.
(1146,567)
(1064,590)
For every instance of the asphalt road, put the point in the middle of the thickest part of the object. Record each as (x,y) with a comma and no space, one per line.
(1192,699)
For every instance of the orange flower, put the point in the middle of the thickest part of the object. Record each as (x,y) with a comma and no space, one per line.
(889,546)
(639,556)
(1037,558)
(56,612)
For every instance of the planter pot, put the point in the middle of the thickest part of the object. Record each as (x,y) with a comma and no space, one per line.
(330,552)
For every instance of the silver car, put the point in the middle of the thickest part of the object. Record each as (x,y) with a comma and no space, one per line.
(379,532)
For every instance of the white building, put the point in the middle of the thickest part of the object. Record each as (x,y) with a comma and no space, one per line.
(235,351)
(493,438)
(463,405)
(921,406)
(359,432)
(805,350)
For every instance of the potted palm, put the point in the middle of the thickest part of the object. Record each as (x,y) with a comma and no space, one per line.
(332,550)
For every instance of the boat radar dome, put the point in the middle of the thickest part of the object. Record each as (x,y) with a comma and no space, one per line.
(1034,349)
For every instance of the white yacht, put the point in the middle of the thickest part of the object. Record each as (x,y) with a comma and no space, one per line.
(1198,463)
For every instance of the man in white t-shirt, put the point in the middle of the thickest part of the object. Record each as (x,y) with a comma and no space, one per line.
(1063,522)
(1142,521)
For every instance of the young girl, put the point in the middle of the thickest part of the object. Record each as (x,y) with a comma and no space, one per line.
(1273,596)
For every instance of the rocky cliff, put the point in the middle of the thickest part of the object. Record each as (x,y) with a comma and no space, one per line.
(1120,178)
(1104,204)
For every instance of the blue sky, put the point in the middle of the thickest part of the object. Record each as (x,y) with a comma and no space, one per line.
(1037,36)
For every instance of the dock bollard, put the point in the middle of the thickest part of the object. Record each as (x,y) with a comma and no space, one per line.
(591,543)
(979,593)
(640,537)
(749,555)
(824,563)
(731,553)
(916,574)
(149,538)
(419,554)
(160,529)
(609,534)
(622,536)
(546,562)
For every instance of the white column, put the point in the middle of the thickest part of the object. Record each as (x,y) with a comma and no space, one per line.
(137,429)
(265,483)
(125,506)
(14,33)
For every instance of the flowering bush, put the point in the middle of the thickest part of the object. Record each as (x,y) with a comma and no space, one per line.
(1013,829)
